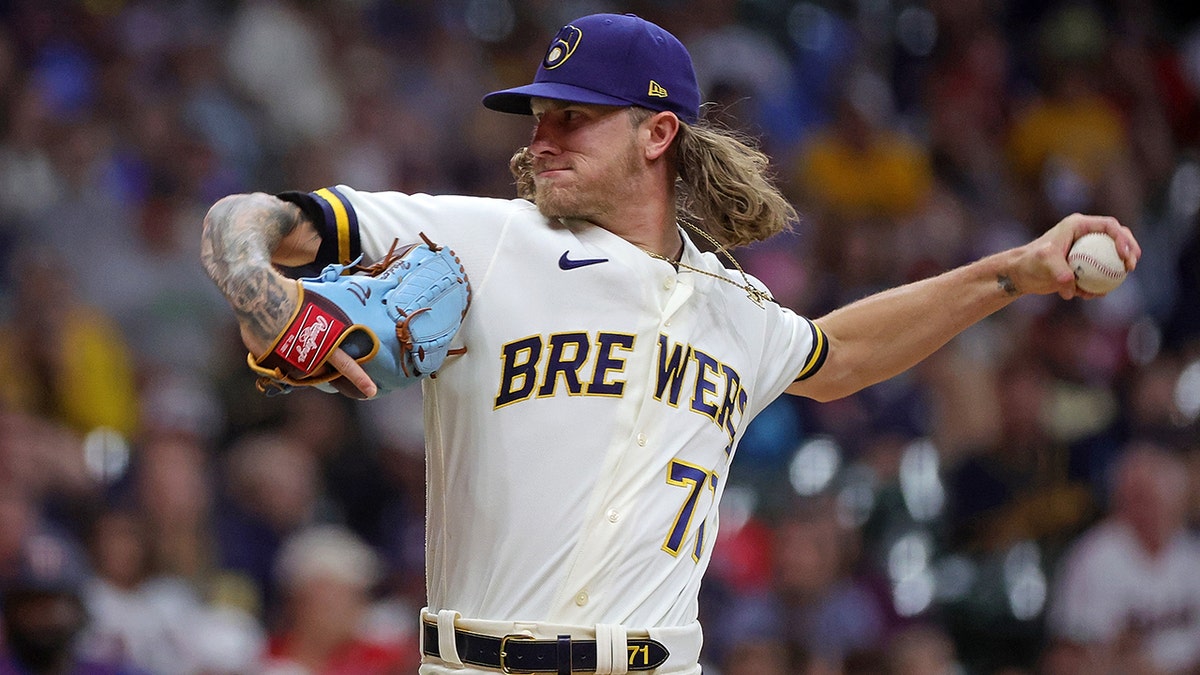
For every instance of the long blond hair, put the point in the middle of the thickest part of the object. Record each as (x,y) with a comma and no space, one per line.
(724,184)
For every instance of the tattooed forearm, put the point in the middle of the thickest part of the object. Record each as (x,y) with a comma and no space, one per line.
(261,302)
(1007,285)
(239,235)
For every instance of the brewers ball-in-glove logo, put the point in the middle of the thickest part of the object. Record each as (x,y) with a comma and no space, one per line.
(396,318)
(562,47)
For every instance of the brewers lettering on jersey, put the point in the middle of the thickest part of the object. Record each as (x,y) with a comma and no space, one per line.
(579,445)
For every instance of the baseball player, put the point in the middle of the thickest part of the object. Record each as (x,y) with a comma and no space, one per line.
(579,446)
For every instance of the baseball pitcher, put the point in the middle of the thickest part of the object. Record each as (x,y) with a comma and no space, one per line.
(583,416)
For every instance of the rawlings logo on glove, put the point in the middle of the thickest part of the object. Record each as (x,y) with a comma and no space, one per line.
(396,318)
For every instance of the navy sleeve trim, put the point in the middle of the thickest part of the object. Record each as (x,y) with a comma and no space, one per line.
(816,358)
(341,224)
(335,221)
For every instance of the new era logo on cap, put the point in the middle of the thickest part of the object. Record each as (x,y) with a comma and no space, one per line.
(611,59)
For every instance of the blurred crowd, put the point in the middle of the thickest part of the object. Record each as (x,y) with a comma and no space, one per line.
(1025,502)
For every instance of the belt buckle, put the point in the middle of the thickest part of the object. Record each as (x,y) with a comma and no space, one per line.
(504,668)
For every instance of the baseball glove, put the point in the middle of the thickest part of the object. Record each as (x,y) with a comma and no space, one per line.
(396,318)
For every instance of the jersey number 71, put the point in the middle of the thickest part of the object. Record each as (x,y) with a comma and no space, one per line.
(695,479)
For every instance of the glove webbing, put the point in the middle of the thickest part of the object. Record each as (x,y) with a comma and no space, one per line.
(402,332)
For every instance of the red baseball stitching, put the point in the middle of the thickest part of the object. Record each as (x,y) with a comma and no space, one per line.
(1100,267)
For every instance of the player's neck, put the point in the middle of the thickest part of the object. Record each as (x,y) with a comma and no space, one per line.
(648,224)
(666,243)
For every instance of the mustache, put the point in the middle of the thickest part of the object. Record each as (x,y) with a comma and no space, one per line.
(540,165)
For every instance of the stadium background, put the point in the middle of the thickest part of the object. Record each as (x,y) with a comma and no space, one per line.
(923,521)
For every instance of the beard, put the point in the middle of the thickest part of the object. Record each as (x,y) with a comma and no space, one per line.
(565,202)
(591,191)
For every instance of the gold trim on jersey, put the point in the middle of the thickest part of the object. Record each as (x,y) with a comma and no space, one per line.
(816,358)
(341,222)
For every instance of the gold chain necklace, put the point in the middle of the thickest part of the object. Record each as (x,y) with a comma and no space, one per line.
(755,295)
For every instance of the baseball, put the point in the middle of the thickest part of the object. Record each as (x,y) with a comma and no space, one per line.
(1097,266)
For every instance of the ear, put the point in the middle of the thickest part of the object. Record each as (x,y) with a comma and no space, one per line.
(659,130)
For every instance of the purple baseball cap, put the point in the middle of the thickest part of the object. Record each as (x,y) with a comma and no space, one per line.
(611,59)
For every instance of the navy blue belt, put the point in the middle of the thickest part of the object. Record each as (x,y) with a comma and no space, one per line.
(521,654)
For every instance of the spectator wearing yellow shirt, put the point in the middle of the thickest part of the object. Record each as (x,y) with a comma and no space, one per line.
(858,167)
(63,360)
(1069,144)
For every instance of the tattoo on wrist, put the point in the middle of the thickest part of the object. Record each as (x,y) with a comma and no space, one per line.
(259,300)
(1007,285)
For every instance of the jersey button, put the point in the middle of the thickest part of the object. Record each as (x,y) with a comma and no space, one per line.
(668,282)
(641,439)
(613,515)
(581,598)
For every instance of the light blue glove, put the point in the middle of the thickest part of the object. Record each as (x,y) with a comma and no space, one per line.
(396,318)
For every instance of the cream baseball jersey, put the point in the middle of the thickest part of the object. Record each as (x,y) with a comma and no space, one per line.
(579,447)
(1110,589)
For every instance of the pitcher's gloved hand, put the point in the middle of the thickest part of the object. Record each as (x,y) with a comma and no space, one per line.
(396,318)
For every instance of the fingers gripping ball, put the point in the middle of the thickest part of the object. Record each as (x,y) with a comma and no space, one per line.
(1097,265)
(396,318)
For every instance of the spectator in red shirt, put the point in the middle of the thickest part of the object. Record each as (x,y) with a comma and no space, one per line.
(325,576)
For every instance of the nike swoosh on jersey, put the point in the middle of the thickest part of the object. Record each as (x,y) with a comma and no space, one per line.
(565,263)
